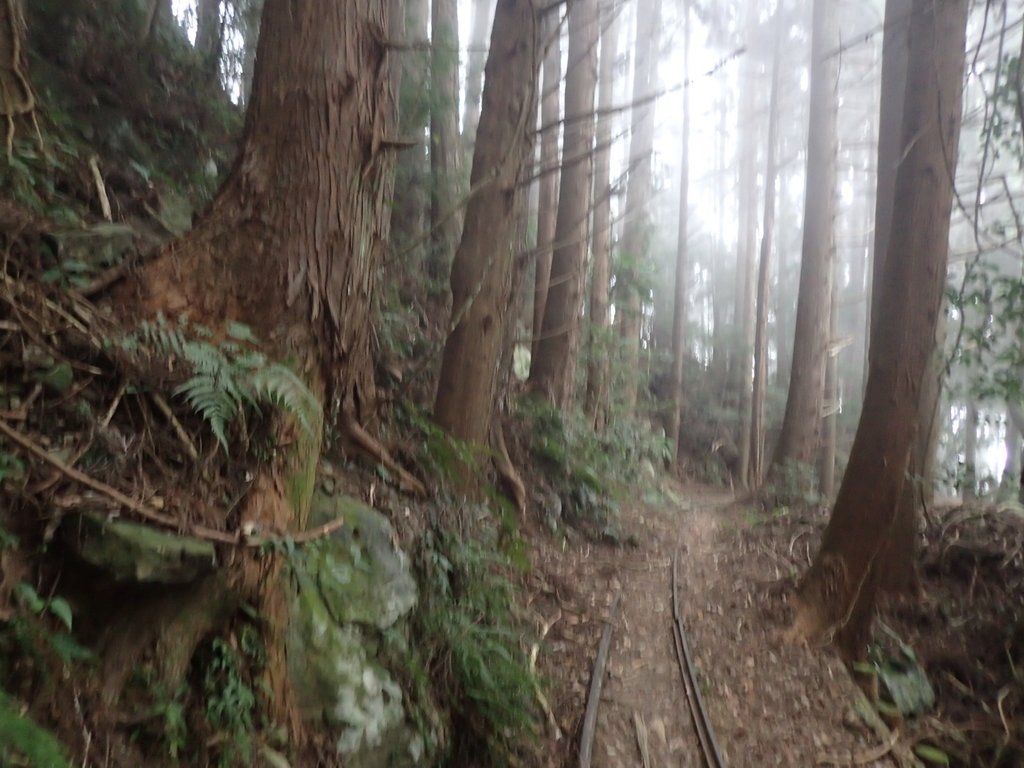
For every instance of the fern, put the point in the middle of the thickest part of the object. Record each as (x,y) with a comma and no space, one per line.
(22,739)
(228,378)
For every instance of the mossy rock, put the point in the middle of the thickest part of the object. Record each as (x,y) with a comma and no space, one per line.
(352,585)
(363,577)
(139,553)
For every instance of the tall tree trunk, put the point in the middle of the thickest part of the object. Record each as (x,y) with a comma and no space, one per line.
(291,245)
(597,359)
(746,265)
(837,597)
(830,402)
(636,238)
(756,436)
(483,13)
(553,370)
(800,425)
(719,343)
(445,220)
(681,305)
(482,270)
(547,206)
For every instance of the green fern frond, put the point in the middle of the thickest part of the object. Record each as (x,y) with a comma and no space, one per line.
(282,388)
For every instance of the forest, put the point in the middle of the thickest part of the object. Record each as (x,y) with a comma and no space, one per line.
(474,383)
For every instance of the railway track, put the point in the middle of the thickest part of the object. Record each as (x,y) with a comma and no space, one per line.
(710,753)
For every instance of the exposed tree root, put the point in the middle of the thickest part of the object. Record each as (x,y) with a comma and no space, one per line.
(506,470)
(372,447)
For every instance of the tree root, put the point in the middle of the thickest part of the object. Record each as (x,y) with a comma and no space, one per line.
(372,447)
(506,470)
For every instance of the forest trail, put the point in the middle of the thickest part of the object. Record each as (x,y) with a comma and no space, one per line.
(770,703)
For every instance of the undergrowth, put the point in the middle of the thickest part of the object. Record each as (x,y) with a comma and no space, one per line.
(468,630)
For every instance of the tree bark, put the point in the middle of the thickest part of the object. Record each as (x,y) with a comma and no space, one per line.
(547,206)
(636,238)
(1009,484)
(830,404)
(837,598)
(554,367)
(756,435)
(445,220)
(482,270)
(681,305)
(798,440)
(597,361)
(250,22)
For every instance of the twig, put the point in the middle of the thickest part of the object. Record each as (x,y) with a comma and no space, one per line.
(101,188)
(105,421)
(179,430)
(138,508)
(861,757)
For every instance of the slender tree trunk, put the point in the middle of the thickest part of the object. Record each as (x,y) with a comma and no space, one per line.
(756,435)
(483,13)
(838,595)
(250,29)
(412,203)
(209,38)
(636,239)
(1010,482)
(798,440)
(482,270)
(550,111)
(719,345)
(970,479)
(445,220)
(830,409)
(746,265)
(597,360)
(554,367)
(681,305)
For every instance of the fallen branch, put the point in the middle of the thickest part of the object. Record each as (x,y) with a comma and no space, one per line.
(179,430)
(596,683)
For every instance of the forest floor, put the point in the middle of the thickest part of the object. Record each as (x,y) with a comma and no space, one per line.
(770,701)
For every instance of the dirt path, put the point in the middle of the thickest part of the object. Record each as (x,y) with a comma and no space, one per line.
(771,703)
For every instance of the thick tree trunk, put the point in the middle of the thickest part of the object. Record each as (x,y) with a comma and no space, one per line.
(290,247)
(482,270)
(838,595)
(680,303)
(483,14)
(798,440)
(445,220)
(547,206)
(756,436)
(250,23)
(553,370)
(636,238)
(597,363)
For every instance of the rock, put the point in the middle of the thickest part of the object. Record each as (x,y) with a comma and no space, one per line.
(135,552)
(363,576)
(352,585)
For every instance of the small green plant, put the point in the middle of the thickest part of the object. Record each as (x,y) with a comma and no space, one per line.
(24,742)
(467,626)
(230,702)
(229,377)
